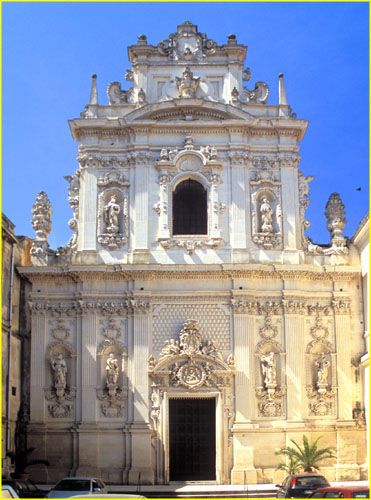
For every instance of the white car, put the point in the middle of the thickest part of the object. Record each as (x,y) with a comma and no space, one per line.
(73,486)
(8,492)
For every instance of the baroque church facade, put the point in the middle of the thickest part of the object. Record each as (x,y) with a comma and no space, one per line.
(189,329)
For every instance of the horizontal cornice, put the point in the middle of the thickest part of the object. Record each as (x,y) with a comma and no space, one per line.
(125,272)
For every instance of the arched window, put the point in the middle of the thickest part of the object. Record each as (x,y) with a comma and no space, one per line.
(189,208)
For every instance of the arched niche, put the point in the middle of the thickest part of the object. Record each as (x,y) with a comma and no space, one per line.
(118,349)
(67,350)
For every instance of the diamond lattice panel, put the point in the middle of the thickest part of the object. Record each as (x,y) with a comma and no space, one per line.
(214,323)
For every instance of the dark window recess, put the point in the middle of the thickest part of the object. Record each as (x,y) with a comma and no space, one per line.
(14,391)
(189,208)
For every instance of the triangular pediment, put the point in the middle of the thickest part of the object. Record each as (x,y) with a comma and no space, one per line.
(187,110)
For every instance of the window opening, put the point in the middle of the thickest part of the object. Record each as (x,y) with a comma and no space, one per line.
(189,208)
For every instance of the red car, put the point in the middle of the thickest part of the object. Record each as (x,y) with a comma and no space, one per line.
(341,492)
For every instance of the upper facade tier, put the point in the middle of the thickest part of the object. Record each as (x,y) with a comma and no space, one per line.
(188,166)
(188,69)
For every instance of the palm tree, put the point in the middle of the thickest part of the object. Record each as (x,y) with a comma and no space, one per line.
(292,467)
(307,456)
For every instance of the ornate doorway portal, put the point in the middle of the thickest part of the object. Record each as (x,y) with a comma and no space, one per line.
(192,439)
(192,409)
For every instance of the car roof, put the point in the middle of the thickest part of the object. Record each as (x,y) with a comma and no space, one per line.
(306,474)
(345,488)
(79,479)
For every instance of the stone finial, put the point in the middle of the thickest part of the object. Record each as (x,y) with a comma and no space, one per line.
(42,224)
(335,215)
(93,93)
(282,99)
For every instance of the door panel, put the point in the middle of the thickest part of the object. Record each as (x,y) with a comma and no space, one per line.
(192,439)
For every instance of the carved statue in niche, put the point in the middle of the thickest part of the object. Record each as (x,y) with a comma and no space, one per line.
(112,370)
(111,213)
(266,216)
(322,365)
(268,366)
(59,368)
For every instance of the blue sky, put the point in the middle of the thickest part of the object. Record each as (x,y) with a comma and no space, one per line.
(50,51)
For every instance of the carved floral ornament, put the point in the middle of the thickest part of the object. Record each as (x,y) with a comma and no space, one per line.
(242,305)
(129,305)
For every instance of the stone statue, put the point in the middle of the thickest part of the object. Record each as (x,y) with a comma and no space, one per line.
(59,368)
(268,366)
(322,373)
(111,213)
(187,85)
(112,369)
(266,216)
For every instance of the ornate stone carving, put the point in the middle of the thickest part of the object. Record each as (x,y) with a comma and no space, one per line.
(341,306)
(192,362)
(118,96)
(112,332)
(42,224)
(266,214)
(113,214)
(187,44)
(191,244)
(336,221)
(257,96)
(187,85)
(112,394)
(60,392)
(73,200)
(113,178)
(335,216)
(60,332)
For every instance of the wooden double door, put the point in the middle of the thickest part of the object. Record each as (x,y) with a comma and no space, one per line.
(192,439)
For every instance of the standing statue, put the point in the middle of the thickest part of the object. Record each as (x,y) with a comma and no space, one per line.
(111,213)
(268,366)
(59,368)
(112,370)
(266,216)
(323,365)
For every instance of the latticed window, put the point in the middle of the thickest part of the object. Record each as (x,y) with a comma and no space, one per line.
(189,208)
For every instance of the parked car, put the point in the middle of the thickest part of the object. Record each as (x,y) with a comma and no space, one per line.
(113,495)
(72,486)
(25,488)
(8,492)
(300,485)
(342,492)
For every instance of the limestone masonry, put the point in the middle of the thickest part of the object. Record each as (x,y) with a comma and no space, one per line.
(189,328)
